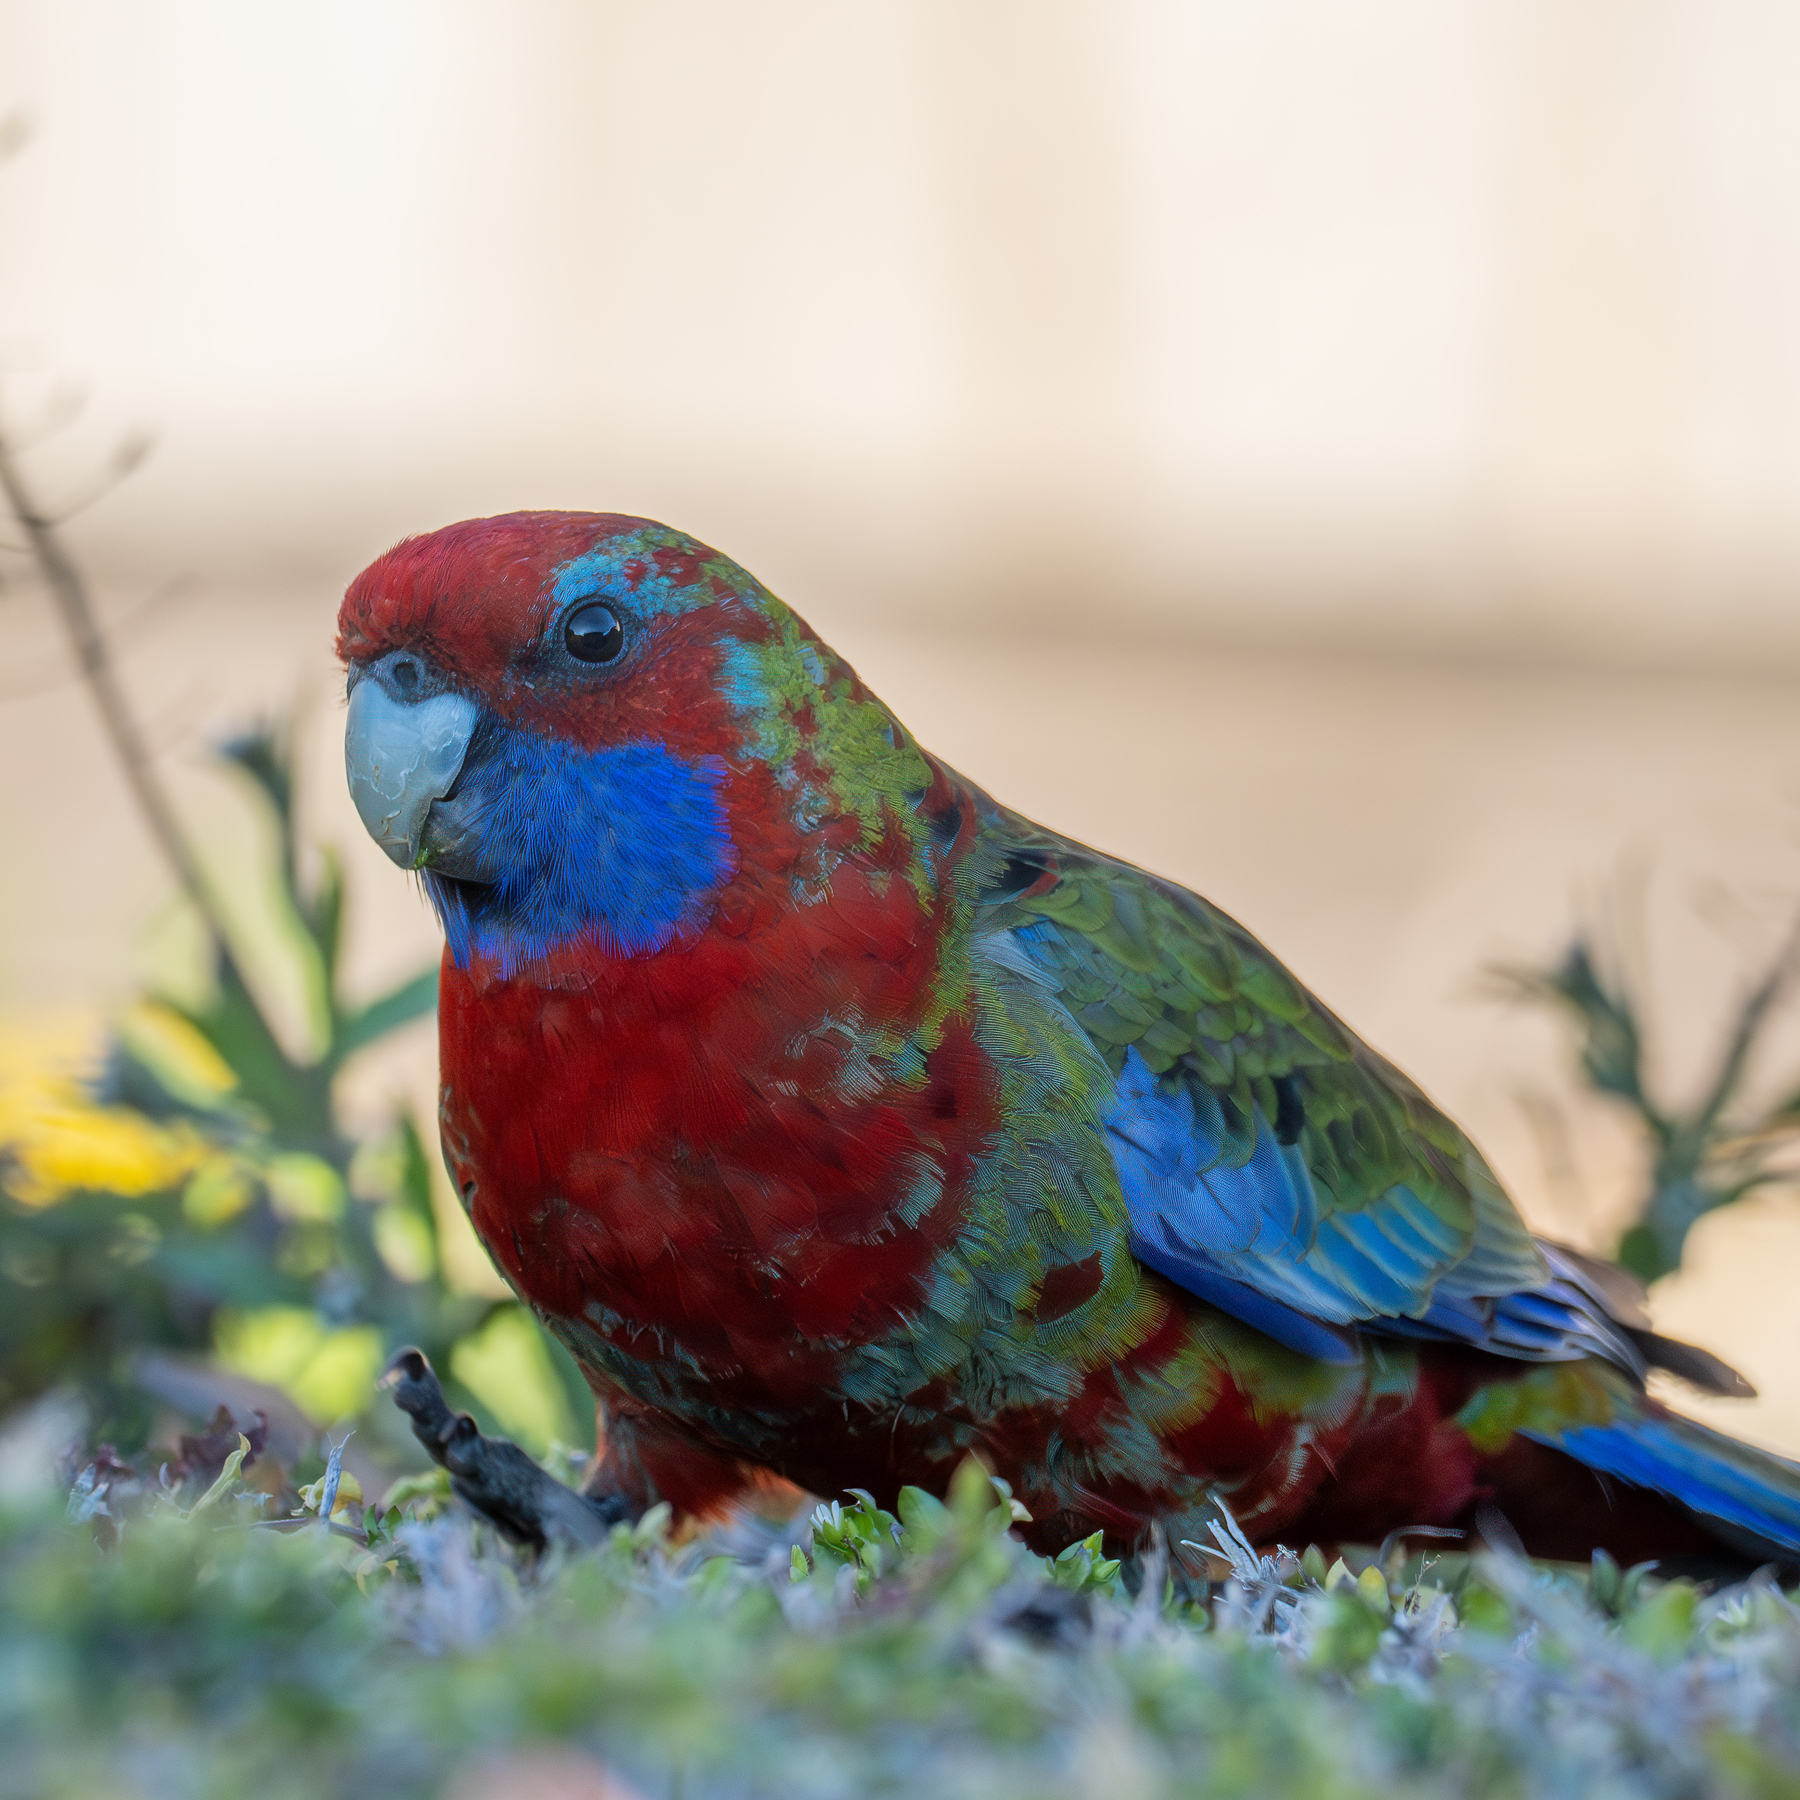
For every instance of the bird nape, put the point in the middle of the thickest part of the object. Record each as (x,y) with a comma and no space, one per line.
(844,1124)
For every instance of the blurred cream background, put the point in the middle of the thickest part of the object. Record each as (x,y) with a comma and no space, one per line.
(1347,458)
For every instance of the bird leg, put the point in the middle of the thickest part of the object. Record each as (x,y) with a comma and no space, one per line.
(526,1504)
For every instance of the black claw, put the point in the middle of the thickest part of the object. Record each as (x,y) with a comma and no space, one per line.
(525,1504)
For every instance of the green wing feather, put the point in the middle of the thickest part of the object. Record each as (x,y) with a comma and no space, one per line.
(1173,991)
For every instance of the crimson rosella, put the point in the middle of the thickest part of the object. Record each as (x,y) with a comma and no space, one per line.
(844,1124)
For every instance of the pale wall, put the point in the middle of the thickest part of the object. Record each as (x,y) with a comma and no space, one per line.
(1408,324)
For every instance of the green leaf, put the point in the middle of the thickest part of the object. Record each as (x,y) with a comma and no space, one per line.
(1604,1581)
(262,754)
(925,1517)
(1372,1590)
(972,1493)
(296,1101)
(1482,1610)
(1662,1624)
(227,1475)
(1347,1631)
(411,1000)
(323,914)
(1641,1253)
(432,1485)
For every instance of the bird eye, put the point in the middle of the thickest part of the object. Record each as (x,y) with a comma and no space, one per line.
(594,634)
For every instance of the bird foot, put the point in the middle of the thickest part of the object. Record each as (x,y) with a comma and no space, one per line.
(526,1504)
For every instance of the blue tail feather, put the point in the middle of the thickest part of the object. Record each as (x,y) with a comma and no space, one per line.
(1739,1491)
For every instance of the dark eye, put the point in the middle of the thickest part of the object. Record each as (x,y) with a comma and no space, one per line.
(594,634)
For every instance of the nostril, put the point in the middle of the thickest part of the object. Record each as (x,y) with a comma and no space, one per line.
(406,675)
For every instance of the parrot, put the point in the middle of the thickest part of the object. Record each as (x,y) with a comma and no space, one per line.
(845,1125)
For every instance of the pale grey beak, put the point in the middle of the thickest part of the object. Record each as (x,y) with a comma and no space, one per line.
(400,756)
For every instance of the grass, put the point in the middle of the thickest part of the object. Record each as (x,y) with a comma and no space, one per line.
(172,1644)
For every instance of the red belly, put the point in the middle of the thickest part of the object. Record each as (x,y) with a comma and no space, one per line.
(697,1145)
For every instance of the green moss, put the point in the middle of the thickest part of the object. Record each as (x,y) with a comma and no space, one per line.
(927,1652)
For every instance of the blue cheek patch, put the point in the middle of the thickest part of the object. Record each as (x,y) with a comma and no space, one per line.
(622,846)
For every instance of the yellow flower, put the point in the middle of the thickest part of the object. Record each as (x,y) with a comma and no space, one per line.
(349,1489)
(59,1140)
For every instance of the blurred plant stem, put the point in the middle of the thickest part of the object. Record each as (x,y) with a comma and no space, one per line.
(74,606)
(203,1195)
(296,1095)
(68,590)
(1701,1157)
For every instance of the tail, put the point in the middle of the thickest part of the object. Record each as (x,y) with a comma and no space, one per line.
(1746,1499)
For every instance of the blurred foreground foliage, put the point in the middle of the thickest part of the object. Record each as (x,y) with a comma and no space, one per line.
(198,1206)
(207,1652)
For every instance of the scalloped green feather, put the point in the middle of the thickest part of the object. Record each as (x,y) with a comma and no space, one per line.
(1147,967)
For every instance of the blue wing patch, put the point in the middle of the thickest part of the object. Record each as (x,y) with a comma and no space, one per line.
(1748,1492)
(1233,1216)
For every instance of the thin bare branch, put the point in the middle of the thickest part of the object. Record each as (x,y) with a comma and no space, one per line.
(145,611)
(131,451)
(1751,1015)
(45,674)
(42,676)
(1549,1126)
(87,641)
(62,408)
(178,720)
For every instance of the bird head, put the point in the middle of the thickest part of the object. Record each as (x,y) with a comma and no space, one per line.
(584,727)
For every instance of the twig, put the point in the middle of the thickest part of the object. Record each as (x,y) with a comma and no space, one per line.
(47,673)
(141,612)
(1753,1011)
(87,641)
(43,676)
(1700,1156)
(305,1522)
(124,459)
(62,408)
